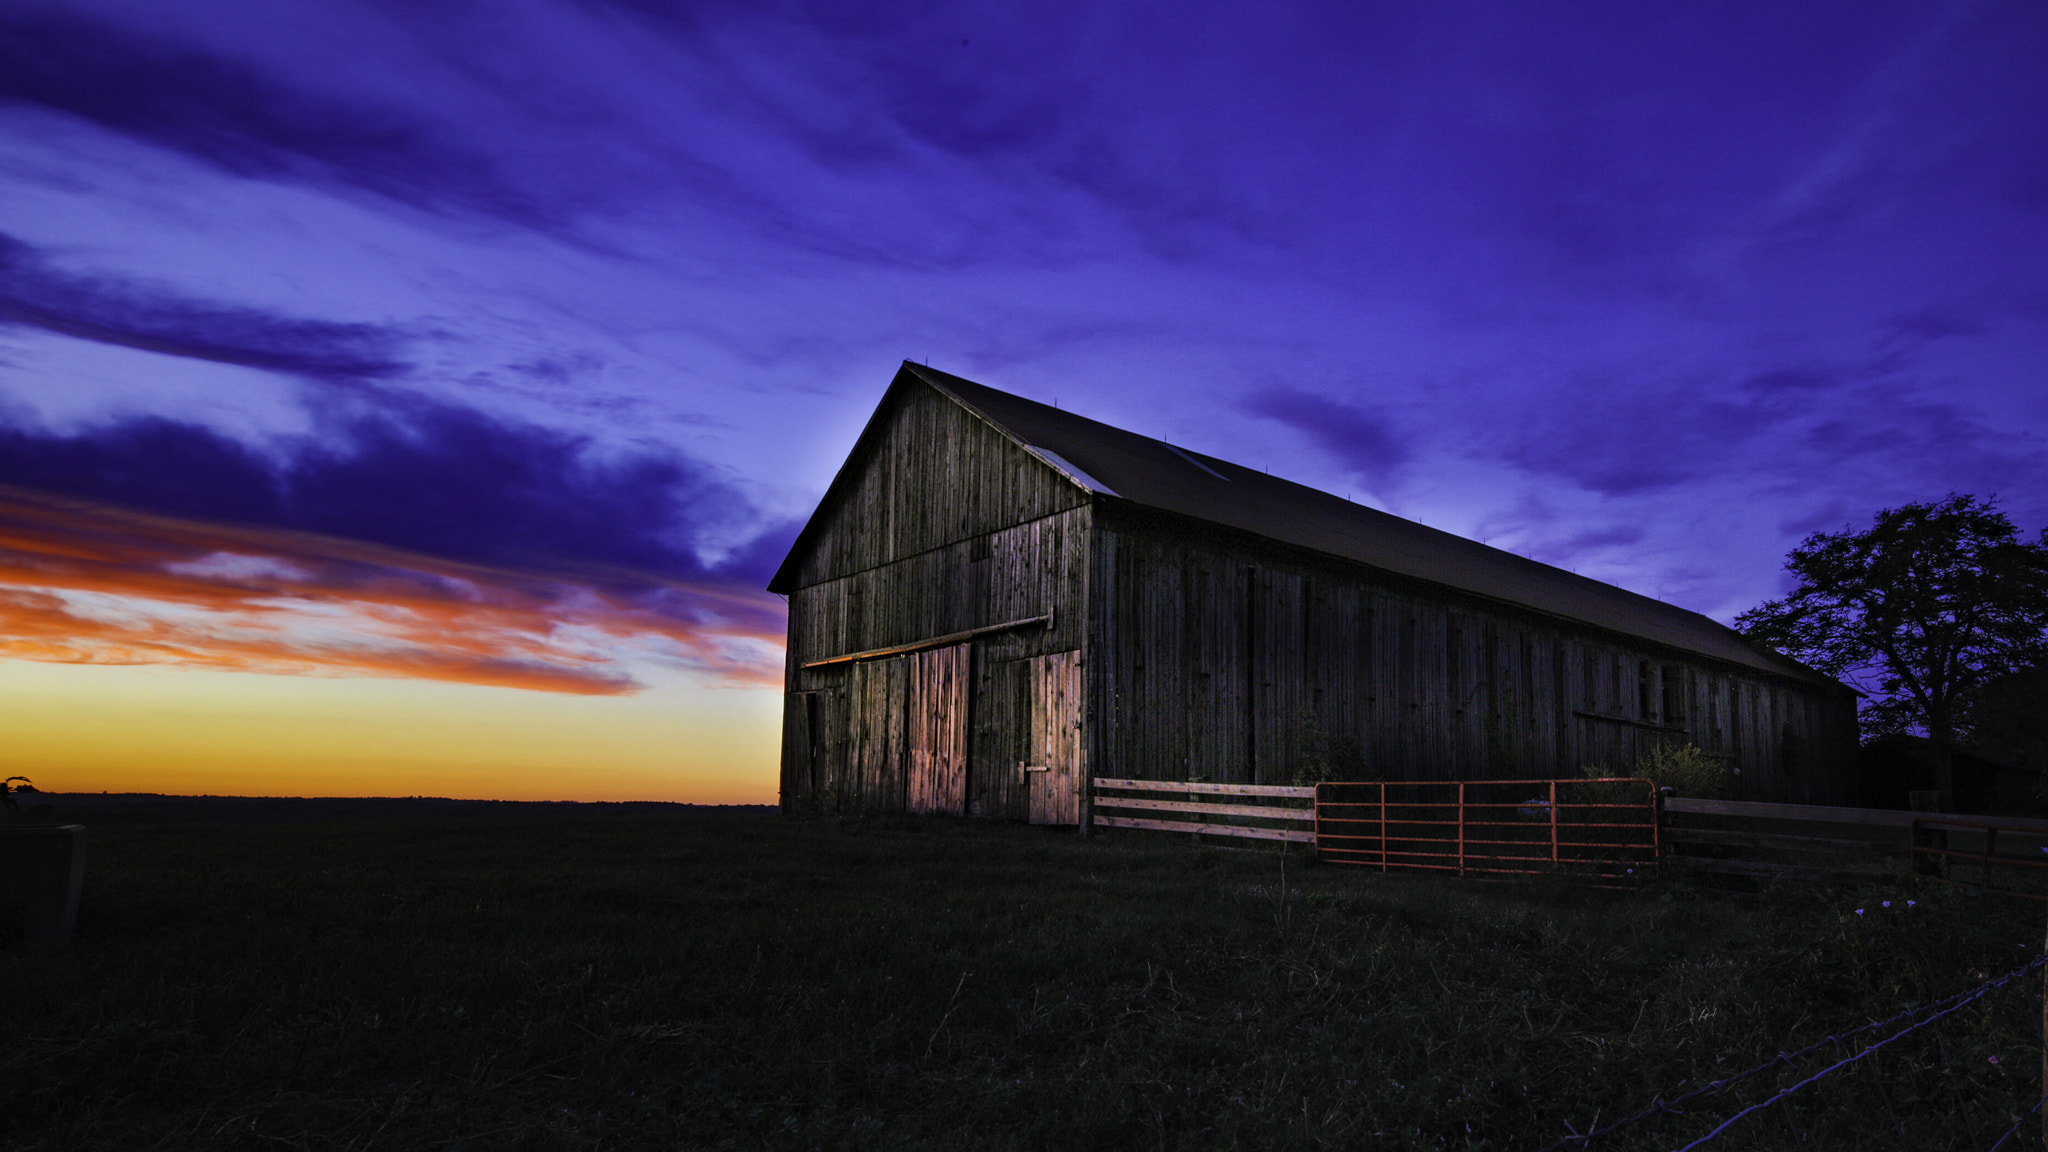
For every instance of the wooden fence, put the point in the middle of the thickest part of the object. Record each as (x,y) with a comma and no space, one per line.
(1814,843)
(1208,809)
(1800,842)
(1806,842)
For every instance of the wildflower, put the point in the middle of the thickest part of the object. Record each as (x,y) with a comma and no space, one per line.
(1910,903)
(1859,911)
(1887,903)
(1994,1059)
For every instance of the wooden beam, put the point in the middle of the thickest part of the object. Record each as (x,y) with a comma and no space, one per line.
(1290,791)
(1882,817)
(1628,723)
(1948,823)
(933,642)
(1785,843)
(1301,837)
(1766,871)
(1303,814)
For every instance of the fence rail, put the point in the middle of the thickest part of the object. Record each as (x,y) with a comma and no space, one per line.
(1857,845)
(1224,806)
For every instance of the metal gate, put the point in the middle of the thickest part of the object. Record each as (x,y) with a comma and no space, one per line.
(1605,829)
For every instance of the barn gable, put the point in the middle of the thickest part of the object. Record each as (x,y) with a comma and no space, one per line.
(937,608)
(926,472)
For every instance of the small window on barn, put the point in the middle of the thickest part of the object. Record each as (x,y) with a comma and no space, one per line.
(1591,682)
(1646,691)
(1674,695)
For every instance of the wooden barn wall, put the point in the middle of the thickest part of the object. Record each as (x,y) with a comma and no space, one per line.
(935,476)
(1225,661)
(840,754)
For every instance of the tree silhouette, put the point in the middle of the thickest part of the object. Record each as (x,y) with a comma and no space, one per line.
(2009,714)
(1921,611)
(8,788)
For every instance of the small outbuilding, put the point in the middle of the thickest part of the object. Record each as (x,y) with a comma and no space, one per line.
(997,599)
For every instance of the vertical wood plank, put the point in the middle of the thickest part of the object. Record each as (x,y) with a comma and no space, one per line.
(937,735)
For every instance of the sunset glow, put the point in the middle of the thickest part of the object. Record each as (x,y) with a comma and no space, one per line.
(192,731)
(87,584)
(417,397)
(150,653)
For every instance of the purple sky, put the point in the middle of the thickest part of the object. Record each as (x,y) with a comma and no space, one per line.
(1645,290)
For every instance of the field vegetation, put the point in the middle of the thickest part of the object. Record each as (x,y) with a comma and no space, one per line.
(707,979)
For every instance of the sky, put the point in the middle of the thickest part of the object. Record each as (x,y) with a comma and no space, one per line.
(413,398)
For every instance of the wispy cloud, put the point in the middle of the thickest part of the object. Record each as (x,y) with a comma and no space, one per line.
(84,582)
(245,120)
(1365,443)
(34,293)
(1871,425)
(426,476)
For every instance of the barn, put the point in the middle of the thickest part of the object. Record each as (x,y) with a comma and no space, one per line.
(997,599)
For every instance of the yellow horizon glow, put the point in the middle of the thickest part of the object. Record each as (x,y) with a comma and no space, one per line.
(197,731)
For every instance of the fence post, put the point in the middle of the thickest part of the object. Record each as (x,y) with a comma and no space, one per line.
(1383,825)
(1657,819)
(2044,1046)
(1461,829)
(1990,853)
(1315,850)
(1927,863)
(1553,823)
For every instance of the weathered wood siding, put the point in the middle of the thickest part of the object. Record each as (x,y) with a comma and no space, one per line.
(938,730)
(934,475)
(1219,658)
(945,526)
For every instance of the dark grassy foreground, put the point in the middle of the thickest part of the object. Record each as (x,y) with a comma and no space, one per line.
(709,979)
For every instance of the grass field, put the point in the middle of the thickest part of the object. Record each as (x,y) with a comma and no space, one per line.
(707,979)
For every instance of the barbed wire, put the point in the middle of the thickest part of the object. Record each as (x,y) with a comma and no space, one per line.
(1660,1106)
(2014,1130)
(1974,995)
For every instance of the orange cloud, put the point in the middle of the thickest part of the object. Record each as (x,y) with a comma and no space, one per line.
(87,583)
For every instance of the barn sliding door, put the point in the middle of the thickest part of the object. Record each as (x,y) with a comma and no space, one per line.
(1056,771)
(880,692)
(937,731)
(910,733)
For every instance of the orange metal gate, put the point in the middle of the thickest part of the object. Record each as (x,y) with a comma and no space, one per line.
(1605,829)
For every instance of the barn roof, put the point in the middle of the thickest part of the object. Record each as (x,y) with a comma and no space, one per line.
(1118,465)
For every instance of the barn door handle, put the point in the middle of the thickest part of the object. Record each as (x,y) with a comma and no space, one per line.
(1037,767)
